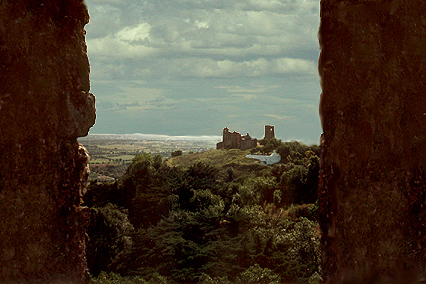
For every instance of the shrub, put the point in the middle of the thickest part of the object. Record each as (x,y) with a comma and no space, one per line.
(176,153)
(207,279)
(258,275)
(115,278)
(204,200)
(257,190)
(308,211)
(315,279)
(292,182)
(100,194)
(297,252)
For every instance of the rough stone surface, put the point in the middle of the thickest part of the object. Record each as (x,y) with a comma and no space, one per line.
(373,112)
(45,105)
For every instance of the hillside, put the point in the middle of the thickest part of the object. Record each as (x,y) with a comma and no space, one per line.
(225,160)
(213,157)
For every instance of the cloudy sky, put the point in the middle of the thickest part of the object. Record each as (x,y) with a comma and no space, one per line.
(193,67)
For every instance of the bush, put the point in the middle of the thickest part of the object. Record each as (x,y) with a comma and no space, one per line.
(258,275)
(205,201)
(315,279)
(177,153)
(100,194)
(206,279)
(256,190)
(256,150)
(309,211)
(292,182)
(297,252)
(114,278)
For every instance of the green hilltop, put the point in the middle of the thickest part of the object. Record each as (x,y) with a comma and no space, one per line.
(213,157)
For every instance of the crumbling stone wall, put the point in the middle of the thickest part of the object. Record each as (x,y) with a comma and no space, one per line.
(45,105)
(247,142)
(234,140)
(230,140)
(373,114)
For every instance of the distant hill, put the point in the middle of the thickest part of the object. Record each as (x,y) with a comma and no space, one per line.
(141,136)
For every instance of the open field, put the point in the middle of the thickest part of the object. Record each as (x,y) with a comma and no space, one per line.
(110,154)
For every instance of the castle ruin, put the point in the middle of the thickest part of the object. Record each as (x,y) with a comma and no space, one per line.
(234,140)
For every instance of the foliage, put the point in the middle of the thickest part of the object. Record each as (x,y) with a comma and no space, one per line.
(315,279)
(99,195)
(207,279)
(175,247)
(256,190)
(258,275)
(146,189)
(109,233)
(222,220)
(176,153)
(309,211)
(114,278)
(113,170)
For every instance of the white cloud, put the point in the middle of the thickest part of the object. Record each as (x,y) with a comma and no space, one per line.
(244,96)
(133,34)
(279,117)
(251,88)
(210,68)
(201,24)
(111,48)
(294,65)
(111,1)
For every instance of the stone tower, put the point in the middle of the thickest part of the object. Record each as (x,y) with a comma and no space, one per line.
(269,132)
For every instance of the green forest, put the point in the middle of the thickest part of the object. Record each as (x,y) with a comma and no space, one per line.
(213,218)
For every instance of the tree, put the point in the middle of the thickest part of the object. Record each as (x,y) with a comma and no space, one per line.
(157,161)
(141,197)
(177,153)
(109,238)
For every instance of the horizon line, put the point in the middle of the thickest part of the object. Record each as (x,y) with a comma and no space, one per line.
(163,136)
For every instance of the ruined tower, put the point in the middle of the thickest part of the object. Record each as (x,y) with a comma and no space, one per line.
(269,132)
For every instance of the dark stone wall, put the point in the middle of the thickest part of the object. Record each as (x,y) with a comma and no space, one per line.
(373,114)
(230,140)
(45,105)
(248,143)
